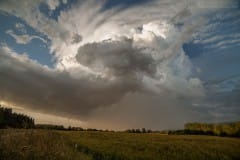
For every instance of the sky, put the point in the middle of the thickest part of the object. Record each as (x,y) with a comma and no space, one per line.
(112,64)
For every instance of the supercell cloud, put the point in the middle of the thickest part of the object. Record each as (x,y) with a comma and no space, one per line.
(116,66)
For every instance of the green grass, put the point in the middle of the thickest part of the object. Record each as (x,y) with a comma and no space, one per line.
(49,144)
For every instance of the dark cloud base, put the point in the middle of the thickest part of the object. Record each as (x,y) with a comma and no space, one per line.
(30,85)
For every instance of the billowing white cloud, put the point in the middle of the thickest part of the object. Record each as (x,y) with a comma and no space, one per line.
(120,60)
(86,18)
(88,97)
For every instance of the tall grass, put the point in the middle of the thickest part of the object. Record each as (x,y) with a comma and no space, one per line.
(86,145)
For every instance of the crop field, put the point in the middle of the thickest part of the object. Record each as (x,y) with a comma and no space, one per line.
(85,145)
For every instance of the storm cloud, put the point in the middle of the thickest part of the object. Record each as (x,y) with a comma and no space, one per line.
(117,67)
(117,58)
(28,84)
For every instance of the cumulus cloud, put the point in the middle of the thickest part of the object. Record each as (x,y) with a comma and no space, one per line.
(109,62)
(124,65)
(159,68)
(95,22)
(116,58)
(56,92)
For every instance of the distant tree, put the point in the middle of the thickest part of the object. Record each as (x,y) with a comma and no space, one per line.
(50,126)
(218,129)
(138,131)
(8,119)
(144,130)
(92,129)
(149,131)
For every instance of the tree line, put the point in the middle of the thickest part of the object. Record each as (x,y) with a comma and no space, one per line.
(218,129)
(9,119)
(231,129)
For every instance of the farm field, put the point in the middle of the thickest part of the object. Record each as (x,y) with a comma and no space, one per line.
(85,145)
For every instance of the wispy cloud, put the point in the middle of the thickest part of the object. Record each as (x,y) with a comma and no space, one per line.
(20,27)
(24,38)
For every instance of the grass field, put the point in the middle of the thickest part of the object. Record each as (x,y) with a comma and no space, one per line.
(49,144)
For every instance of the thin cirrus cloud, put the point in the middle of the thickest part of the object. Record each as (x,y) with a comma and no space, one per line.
(115,67)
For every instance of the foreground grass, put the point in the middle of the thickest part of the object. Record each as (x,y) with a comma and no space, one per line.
(49,144)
